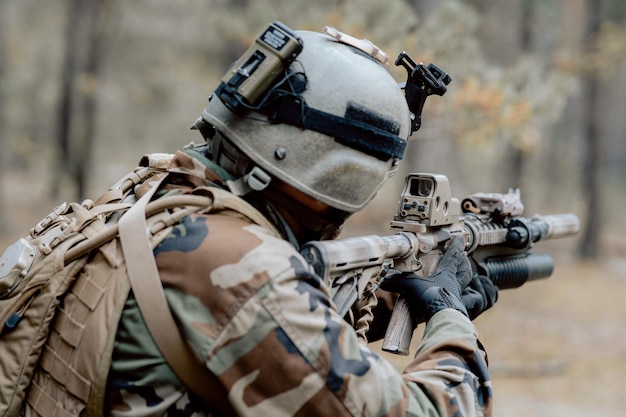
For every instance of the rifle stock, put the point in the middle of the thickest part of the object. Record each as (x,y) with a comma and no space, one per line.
(498,242)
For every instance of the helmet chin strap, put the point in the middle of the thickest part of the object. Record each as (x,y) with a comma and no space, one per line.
(308,220)
(267,208)
(226,155)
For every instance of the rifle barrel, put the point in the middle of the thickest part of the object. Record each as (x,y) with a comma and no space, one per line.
(560,225)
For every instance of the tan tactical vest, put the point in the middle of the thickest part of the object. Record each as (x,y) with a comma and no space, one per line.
(70,378)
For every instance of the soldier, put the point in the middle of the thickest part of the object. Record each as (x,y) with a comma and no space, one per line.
(300,142)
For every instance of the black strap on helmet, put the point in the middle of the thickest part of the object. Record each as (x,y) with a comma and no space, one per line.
(292,109)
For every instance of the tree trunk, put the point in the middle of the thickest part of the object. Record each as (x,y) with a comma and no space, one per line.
(3,96)
(517,156)
(77,99)
(88,94)
(64,105)
(589,243)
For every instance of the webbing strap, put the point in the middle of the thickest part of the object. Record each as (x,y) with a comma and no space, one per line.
(44,404)
(349,132)
(148,291)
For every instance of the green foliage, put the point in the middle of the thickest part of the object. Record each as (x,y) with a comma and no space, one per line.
(609,49)
(519,104)
(488,102)
(162,58)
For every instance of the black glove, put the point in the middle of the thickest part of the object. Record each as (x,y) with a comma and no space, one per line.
(479,295)
(443,289)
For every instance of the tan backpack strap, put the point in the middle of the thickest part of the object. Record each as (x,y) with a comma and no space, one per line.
(148,291)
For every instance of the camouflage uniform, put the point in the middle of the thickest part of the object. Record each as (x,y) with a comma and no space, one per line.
(260,320)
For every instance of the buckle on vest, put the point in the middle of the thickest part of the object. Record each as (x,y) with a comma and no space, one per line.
(48,220)
(54,236)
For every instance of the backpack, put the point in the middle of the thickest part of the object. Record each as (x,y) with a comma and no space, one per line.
(76,258)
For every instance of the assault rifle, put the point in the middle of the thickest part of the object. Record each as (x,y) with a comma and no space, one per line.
(498,242)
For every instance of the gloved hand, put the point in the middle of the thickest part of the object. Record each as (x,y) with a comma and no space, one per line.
(443,289)
(479,295)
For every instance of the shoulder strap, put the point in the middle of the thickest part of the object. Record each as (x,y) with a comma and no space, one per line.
(148,291)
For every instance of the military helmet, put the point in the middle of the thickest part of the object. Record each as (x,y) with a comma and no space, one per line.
(332,122)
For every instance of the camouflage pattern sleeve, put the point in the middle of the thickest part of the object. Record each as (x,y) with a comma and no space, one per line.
(451,345)
(263,323)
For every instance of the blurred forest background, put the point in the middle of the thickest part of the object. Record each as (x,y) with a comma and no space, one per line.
(537,101)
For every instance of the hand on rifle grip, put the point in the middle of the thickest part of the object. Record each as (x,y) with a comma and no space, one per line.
(479,295)
(443,289)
